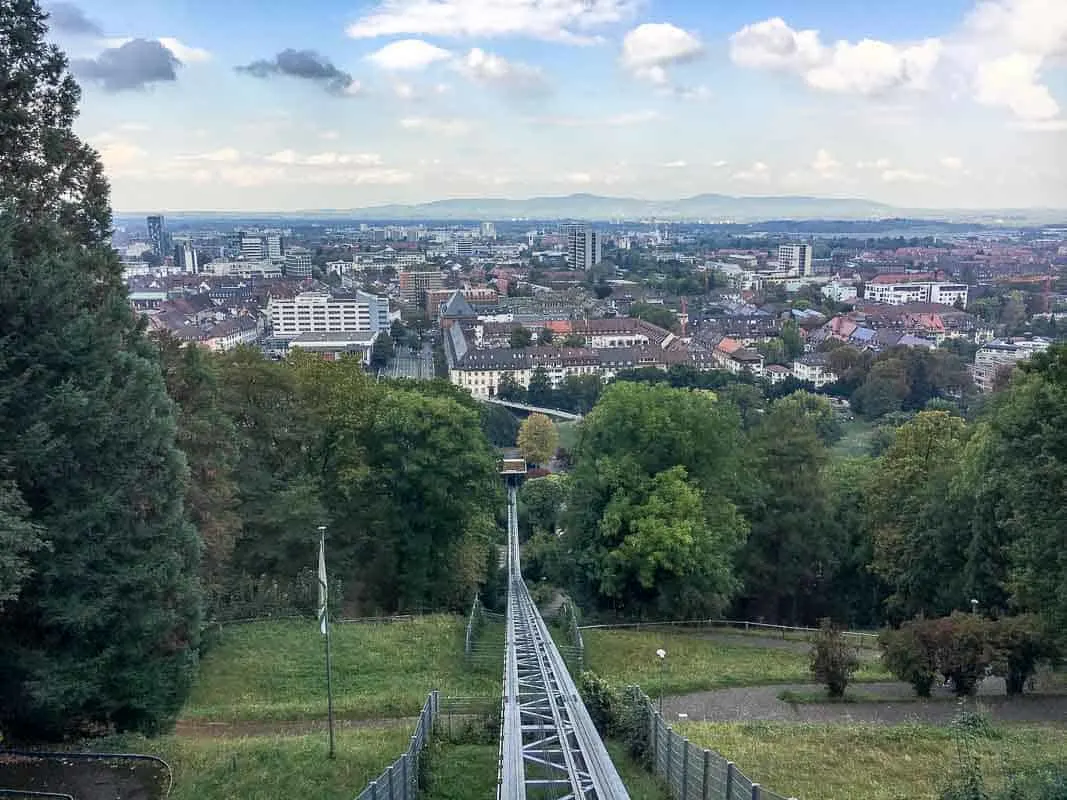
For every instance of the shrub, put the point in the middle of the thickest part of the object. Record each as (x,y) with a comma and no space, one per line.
(964,650)
(600,700)
(632,723)
(833,660)
(908,653)
(1018,645)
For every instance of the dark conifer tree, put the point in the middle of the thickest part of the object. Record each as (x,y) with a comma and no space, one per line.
(103,632)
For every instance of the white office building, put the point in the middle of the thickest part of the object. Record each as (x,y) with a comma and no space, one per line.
(321,312)
(796,258)
(298,264)
(488,230)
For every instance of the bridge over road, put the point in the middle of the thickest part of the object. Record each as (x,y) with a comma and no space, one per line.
(548,412)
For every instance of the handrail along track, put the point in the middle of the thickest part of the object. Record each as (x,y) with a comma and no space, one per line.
(549,747)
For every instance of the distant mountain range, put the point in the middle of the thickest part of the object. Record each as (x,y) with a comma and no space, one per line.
(708,208)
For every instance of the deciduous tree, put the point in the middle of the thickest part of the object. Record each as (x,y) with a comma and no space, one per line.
(538,439)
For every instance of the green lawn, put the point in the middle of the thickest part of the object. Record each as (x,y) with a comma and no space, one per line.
(873,762)
(275,670)
(695,664)
(856,437)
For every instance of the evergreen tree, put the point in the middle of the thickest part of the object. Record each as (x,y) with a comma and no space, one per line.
(104,632)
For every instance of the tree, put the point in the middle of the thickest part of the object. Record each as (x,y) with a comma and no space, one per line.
(919,549)
(510,389)
(19,539)
(104,632)
(540,392)
(676,531)
(792,340)
(208,439)
(573,340)
(538,439)
(655,314)
(382,351)
(521,338)
(47,174)
(540,504)
(545,337)
(833,660)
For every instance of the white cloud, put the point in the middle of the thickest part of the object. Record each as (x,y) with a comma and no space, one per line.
(1038,27)
(327,159)
(488,68)
(183,52)
(443,126)
(953,163)
(675,165)
(283,157)
(330,135)
(408,54)
(825,165)
(772,44)
(558,20)
(757,173)
(872,67)
(720,164)
(116,153)
(134,127)
(1012,82)
(650,48)
(904,176)
(866,67)
(881,164)
(582,178)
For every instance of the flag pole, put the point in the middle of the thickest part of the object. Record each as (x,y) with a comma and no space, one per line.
(325,612)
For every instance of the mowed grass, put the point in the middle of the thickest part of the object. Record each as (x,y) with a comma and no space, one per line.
(271,767)
(873,762)
(695,663)
(275,670)
(856,437)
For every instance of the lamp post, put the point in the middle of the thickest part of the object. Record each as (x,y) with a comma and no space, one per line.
(662,676)
(974,606)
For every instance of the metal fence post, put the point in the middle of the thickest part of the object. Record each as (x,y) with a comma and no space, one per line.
(730,769)
(389,782)
(374,790)
(670,753)
(685,768)
(756,793)
(705,784)
(406,773)
(654,736)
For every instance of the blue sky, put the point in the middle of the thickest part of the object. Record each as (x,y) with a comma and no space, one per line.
(272,105)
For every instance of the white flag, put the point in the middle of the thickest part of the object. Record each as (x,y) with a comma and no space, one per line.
(322,585)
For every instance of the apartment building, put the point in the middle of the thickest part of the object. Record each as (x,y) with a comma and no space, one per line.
(321,312)
(796,258)
(415,284)
(1003,353)
(583,246)
(298,264)
(891,290)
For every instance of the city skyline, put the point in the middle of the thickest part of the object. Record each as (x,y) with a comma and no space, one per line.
(355,104)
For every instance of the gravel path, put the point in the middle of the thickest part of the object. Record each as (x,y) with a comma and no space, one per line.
(762,703)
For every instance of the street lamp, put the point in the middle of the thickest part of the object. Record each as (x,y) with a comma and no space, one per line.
(662,676)
(974,605)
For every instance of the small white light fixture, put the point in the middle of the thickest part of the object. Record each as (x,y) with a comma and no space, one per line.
(661,653)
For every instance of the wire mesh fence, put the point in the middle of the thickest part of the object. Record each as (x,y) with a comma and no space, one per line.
(695,773)
(573,646)
(483,645)
(401,779)
(864,639)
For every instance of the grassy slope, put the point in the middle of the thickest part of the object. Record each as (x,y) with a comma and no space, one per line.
(275,670)
(695,664)
(856,436)
(843,762)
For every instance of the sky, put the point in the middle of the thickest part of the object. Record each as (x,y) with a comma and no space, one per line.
(262,105)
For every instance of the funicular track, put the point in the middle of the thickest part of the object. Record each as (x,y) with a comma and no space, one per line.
(549,747)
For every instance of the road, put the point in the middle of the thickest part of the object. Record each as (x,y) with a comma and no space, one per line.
(418,366)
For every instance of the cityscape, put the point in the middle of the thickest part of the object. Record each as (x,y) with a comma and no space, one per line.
(533,400)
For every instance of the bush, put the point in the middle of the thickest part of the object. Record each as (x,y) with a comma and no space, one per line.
(908,653)
(1019,644)
(600,700)
(964,650)
(833,660)
(632,723)
(1045,783)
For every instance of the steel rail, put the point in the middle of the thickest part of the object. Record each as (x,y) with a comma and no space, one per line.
(549,747)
